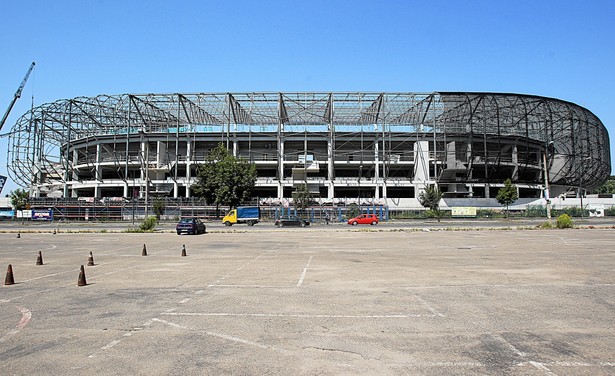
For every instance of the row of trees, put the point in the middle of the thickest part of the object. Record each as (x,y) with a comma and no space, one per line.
(431,196)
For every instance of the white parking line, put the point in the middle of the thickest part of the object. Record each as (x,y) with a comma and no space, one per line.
(542,367)
(26,315)
(223,336)
(510,346)
(304,272)
(234,272)
(428,306)
(293,315)
(115,342)
(245,342)
(580,364)
(110,345)
(170,323)
(248,286)
(535,364)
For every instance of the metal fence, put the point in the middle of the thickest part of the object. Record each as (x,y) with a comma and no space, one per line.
(102,210)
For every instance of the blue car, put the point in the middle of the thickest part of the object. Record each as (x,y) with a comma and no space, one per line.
(190,226)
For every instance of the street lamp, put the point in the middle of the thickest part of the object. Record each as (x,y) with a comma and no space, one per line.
(581,194)
(581,184)
(546,177)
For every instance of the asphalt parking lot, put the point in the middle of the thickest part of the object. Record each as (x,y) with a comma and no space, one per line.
(311,302)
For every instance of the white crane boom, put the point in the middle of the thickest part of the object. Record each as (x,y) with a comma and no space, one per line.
(17,95)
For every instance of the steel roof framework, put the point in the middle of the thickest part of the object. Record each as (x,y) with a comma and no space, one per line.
(575,140)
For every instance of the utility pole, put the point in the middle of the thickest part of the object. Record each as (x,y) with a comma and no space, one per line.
(546,172)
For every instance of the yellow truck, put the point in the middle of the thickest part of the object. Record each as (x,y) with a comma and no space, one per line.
(243,214)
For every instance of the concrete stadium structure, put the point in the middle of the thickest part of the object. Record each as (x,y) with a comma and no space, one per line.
(380,147)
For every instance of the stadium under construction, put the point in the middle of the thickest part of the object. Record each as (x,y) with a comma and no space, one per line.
(379,148)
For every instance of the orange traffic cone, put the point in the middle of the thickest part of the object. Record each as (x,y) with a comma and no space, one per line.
(81,281)
(39,259)
(91,259)
(9,280)
(144,252)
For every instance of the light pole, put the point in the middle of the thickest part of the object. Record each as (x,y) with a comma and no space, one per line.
(581,184)
(581,194)
(546,176)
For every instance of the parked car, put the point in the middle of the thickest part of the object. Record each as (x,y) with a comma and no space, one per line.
(364,219)
(190,226)
(291,221)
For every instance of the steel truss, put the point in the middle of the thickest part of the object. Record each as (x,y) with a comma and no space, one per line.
(470,134)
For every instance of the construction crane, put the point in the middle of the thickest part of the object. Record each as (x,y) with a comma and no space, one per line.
(17,95)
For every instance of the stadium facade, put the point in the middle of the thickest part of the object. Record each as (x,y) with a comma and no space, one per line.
(382,147)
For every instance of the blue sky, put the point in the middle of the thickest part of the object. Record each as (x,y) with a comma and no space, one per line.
(561,49)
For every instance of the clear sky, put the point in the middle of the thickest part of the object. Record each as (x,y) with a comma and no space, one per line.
(562,49)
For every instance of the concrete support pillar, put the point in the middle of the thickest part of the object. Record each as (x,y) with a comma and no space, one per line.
(281,169)
(515,161)
(421,166)
(161,155)
(189,147)
(330,161)
(377,170)
(98,170)
(75,177)
(280,191)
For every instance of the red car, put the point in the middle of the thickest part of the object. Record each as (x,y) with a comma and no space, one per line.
(364,219)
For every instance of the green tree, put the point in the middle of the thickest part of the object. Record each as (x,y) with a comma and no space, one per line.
(224,179)
(353,210)
(507,194)
(608,187)
(19,199)
(158,207)
(302,197)
(430,198)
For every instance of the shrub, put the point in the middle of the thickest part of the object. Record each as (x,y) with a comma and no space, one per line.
(430,214)
(488,213)
(353,210)
(573,211)
(407,214)
(134,230)
(545,225)
(564,221)
(149,223)
(536,211)
(609,212)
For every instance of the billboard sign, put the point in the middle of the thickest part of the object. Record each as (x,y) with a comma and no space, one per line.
(24,213)
(463,212)
(2,182)
(42,215)
(7,213)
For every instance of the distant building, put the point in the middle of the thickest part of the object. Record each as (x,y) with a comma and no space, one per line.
(381,147)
